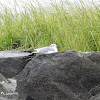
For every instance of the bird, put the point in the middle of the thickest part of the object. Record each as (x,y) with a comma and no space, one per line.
(46,50)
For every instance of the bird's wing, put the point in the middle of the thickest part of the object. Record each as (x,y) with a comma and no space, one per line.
(46,49)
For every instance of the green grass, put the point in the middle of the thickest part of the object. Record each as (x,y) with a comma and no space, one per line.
(73,28)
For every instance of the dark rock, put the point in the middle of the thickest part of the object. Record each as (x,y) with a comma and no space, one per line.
(96,97)
(29,98)
(66,75)
(12,62)
(96,90)
(95,56)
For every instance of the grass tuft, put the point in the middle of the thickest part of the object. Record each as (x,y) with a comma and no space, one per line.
(70,27)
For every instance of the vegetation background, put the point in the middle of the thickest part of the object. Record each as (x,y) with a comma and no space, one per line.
(70,26)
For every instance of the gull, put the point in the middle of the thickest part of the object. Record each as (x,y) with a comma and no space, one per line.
(46,50)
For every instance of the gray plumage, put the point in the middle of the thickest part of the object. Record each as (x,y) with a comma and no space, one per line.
(46,50)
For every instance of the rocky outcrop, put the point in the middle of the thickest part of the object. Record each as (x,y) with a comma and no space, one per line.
(13,62)
(66,75)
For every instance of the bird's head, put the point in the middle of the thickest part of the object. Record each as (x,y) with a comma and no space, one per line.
(53,45)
